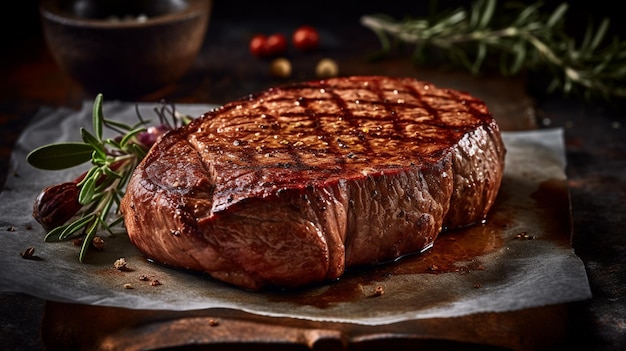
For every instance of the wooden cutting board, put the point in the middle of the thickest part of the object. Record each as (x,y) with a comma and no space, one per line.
(95,328)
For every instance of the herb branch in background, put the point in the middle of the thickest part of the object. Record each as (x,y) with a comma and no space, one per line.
(78,209)
(516,37)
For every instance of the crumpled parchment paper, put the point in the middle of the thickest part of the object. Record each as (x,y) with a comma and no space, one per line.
(521,258)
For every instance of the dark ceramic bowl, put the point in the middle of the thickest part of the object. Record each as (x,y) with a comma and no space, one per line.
(125,48)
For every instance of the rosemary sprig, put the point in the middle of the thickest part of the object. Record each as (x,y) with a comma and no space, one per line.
(521,38)
(79,209)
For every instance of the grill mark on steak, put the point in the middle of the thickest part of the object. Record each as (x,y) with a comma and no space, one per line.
(347,115)
(306,179)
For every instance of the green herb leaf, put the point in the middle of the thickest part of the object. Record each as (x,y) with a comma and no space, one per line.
(98,116)
(102,186)
(54,234)
(75,227)
(87,191)
(520,38)
(128,137)
(91,233)
(122,126)
(110,173)
(60,155)
(138,150)
(93,141)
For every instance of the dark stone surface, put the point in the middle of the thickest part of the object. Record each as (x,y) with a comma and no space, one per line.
(596,170)
(595,136)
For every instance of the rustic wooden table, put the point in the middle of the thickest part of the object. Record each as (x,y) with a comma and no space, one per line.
(596,154)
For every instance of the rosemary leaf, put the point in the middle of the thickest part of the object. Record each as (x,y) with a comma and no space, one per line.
(122,127)
(93,141)
(115,222)
(487,14)
(54,234)
(129,137)
(98,116)
(514,38)
(90,234)
(599,36)
(90,173)
(87,190)
(76,226)
(138,150)
(102,186)
(557,16)
(108,172)
(59,156)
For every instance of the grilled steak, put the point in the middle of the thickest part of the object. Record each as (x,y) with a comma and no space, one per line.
(290,186)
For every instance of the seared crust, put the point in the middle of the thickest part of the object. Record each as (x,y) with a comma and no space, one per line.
(290,186)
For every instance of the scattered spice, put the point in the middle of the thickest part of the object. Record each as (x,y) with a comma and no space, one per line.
(280,68)
(477,286)
(433,268)
(28,253)
(213,322)
(524,236)
(379,291)
(146,278)
(326,68)
(98,243)
(121,265)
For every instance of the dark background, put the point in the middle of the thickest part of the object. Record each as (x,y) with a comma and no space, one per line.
(21,28)
(19,21)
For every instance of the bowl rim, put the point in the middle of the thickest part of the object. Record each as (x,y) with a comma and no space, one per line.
(50,10)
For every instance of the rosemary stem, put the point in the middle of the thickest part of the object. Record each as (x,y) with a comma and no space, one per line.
(543,49)
(526,39)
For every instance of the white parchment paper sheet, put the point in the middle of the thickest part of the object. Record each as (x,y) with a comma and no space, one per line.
(520,274)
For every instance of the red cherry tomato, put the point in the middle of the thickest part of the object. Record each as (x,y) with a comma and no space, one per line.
(275,45)
(258,45)
(305,38)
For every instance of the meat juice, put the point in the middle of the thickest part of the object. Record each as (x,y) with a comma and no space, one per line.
(458,251)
